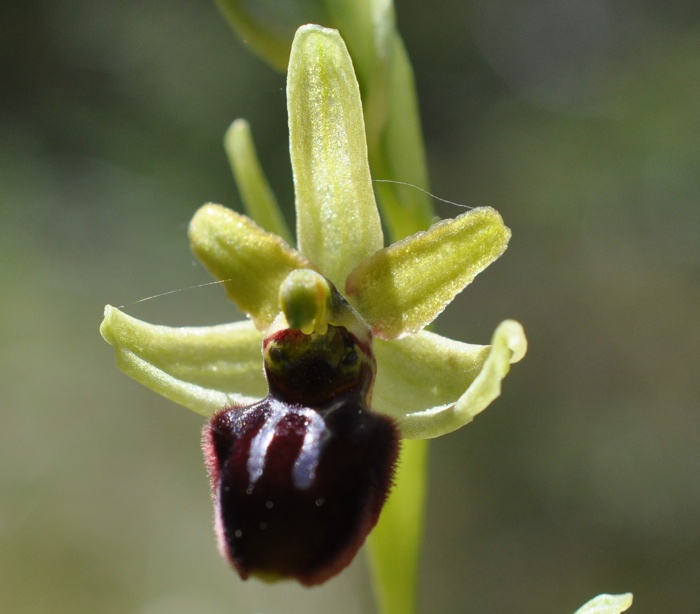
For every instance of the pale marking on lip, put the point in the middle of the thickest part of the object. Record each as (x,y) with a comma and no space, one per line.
(315,438)
(304,471)
(261,442)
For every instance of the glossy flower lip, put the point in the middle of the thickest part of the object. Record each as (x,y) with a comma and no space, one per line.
(430,385)
(299,479)
(296,490)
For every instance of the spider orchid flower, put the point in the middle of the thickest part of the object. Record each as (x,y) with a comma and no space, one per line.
(308,399)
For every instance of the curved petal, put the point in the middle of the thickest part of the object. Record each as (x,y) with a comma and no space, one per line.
(607,604)
(421,380)
(422,371)
(337,219)
(257,195)
(251,262)
(203,368)
(402,288)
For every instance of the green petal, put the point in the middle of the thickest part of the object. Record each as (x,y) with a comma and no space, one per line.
(404,287)
(337,220)
(607,604)
(204,369)
(257,196)
(252,262)
(422,371)
(421,380)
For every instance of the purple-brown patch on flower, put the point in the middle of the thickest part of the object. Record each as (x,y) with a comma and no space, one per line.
(298,485)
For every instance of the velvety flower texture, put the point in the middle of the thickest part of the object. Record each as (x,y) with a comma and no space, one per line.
(301,453)
(299,478)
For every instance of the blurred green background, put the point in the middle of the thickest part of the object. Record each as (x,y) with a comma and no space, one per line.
(578,121)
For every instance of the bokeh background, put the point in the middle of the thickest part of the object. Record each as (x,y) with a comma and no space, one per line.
(579,121)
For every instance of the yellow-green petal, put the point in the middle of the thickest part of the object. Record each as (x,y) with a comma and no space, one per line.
(607,604)
(402,288)
(422,371)
(202,368)
(251,262)
(432,385)
(337,220)
(257,195)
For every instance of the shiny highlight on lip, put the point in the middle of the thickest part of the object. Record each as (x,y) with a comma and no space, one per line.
(316,433)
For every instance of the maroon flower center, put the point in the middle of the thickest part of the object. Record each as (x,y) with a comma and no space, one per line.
(299,479)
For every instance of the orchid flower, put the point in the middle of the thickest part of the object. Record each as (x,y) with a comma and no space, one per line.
(336,328)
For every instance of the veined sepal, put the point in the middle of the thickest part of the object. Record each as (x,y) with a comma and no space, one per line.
(201,368)
(432,385)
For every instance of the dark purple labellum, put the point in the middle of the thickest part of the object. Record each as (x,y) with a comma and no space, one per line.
(299,485)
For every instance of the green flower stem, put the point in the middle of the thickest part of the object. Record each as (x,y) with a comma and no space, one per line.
(395,544)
